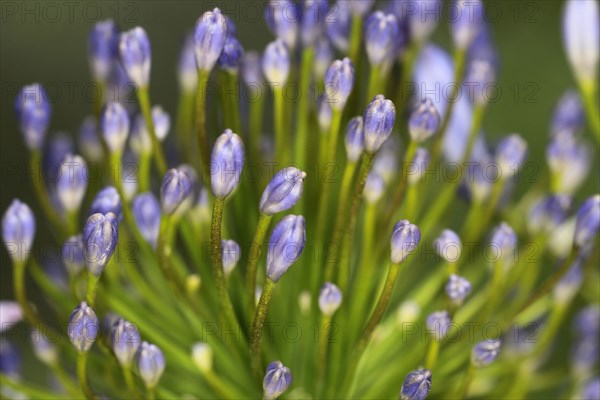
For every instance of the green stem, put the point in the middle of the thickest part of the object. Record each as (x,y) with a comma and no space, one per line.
(432,353)
(92,288)
(150,393)
(258,324)
(257,106)
(464,389)
(19,286)
(28,389)
(591,109)
(83,377)
(253,257)
(302,138)
(99,100)
(232,110)
(488,213)
(355,38)
(401,186)
(324,329)
(128,376)
(412,197)
(201,126)
(281,139)
(146,108)
(185,124)
(65,380)
(374,83)
(144,172)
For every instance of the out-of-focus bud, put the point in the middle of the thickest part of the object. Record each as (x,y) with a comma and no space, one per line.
(416,385)
(510,154)
(202,355)
(83,327)
(379,119)
(484,353)
(548,213)
(374,188)
(323,57)
(466,18)
(252,69)
(136,55)
(151,363)
(72,255)
(283,191)
(18,230)
(285,245)
(10,314)
(276,62)
(227,161)
(43,348)
(231,255)
(33,112)
(360,7)
(339,81)
(324,114)
(381,37)
(72,182)
(448,245)
(114,124)
(314,13)
(338,30)
(424,121)
(330,299)
(355,140)
(125,341)
(405,239)
(588,221)
(503,244)
(277,379)
(418,166)
(438,324)
(146,211)
(386,161)
(283,18)
(102,49)
(175,192)
(187,70)
(457,289)
(569,115)
(581,37)
(100,236)
(231,56)
(568,161)
(89,140)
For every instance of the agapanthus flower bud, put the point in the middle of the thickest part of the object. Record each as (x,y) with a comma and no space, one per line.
(588,221)
(379,119)
(548,213)
(581,37)
(83,327)
(114,125)
(424,121)
(381,36)
(418,166)
(324,113)
(72,255)
(374,188)
(175,191)
(591,389)
(360,7)
(146,212)
(283,191)
(202,355)
(323,57)
(423,17)
(416,385)
(136,55)
(10,314)
(125,340)
(72,182)
(285,245)
(276,62)
(338,30)
(107,201)
(33,112)
(313,16)
(151,363)
(277,379)
(569,285)
(405,239)
(18,230)
(283,18)
(252,69)
(386,161)
(227,161)
(100,236)
(231,56)
(568,160)
(162,122)
(231,255)
(59,146)
(339,81)
(102,49)
(438,324)
(210,34)
(569,115)
(587,321)
(448,245)
(503,243)
(330,299)
(139,141)
(485,352)
(43,348)
(466,18)
(354,139)
(10,360)
(510,154)
(458,288)
(187,70)
(89,140)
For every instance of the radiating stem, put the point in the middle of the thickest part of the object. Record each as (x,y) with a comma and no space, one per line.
(257,105)
(253,257)
(201,126)
(281,139)
(591,108)
(355,38)
(302,137)
(144,172)
(146,107)
(374,87)
(464,389)
(92,288)
(231,106)
(409,155)
(257,326)
(19,286)
(83,377)
(324,329)
(433,351)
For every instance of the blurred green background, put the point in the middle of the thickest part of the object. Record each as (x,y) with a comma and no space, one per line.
(46,42)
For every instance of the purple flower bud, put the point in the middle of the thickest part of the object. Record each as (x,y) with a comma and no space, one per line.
(438,324)
(591,390)
(283,18)
(277,379)
(324,113)
(360,7)
(466,18)
(569,161)
(10,314)
(72,254)
(548,213)
(252,69)
(210,34)
(231,56)
(423,17)
(418,166)
(568,114)
(503,242)
(283,192)
(100,236)
(187,69)
(89,140)
(338,30)
(33,115)
(581,37)
(107,201)
(72,182)
(323,57)
(136,55)
(457,289)
(18,230)
(162,122)
(139,140)
(83,327)
(276,62)
(587,322)
(151,363)
(114,124)
(231,255)
(424,121)
(339,80)
(355,140)
(385,163)
(175,191)
(227,161)
(588,221)
(379,119)
(416,385)
(374,188)
(313,16)
(448,245)
(510,154)
(330,299)
(484,353)
(285,245)
(59,146)
(381,37)
(102,49)
(44,348)
(146,212)
(405,239)
(125,340)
